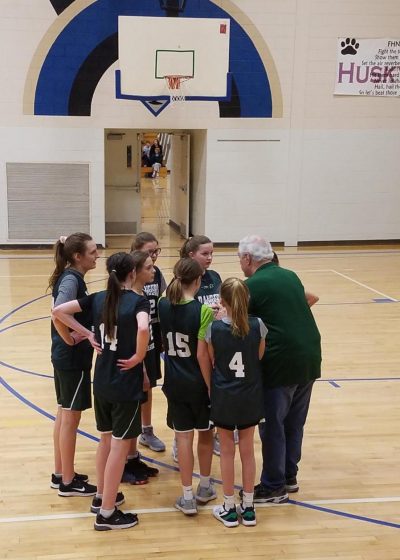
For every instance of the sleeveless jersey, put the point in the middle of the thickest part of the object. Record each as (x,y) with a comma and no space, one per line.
(110,383)
(209,289)
(180,325)
(153,291)
(63,356)
(236,382)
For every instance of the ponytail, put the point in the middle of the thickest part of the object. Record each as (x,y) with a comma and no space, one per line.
(186,271)
(118,267)
(236,294)
(192,245)
(64,250)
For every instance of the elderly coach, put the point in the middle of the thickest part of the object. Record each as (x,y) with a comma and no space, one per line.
(291,363)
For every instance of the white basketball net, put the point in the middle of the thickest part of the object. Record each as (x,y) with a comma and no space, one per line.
(174,87)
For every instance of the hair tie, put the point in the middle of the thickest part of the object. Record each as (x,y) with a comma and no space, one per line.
(62,239)
(113,270)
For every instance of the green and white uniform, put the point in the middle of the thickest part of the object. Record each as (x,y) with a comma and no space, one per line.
(182,326)
(209,289)
(117,393)
(72,364)
(236,382)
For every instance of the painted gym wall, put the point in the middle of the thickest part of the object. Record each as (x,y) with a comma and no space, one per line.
(327,169)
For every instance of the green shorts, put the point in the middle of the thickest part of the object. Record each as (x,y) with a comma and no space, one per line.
(187,416)
(73,389)
(122,420)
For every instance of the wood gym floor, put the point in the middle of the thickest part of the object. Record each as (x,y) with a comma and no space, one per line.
(348,503)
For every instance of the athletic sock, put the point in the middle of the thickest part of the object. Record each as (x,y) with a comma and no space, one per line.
(188,492)
(229,502)
(106,513)
(204,481)
(248,499)
(99,495)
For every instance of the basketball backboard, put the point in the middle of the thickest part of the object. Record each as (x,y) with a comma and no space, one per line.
(151,48)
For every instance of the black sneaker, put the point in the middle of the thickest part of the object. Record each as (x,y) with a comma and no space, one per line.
(118,520)
(137,467)
(76,488)
(134,479)
(263,495)
(291,485)
(56,479)
(96,503)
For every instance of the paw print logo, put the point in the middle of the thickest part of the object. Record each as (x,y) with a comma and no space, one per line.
(349,46)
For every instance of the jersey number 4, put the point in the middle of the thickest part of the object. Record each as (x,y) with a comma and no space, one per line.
(236,364)
(179,346)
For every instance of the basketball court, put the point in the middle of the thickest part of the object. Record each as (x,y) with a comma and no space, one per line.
(348,501)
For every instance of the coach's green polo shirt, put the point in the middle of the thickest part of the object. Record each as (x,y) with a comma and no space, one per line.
(293,343)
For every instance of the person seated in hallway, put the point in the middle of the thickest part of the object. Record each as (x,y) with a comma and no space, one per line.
(146,155)
(156,144)
(156,162)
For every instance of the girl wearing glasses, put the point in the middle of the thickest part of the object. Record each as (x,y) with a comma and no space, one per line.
(147,243)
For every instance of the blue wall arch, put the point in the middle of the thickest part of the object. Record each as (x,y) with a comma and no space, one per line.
(87,47)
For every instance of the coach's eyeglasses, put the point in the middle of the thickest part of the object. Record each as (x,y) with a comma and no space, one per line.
(154,253)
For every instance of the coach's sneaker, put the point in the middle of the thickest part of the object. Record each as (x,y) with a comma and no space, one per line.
(228,517)
(175,450)
(118,520)
(148,439)
(57,478)
(137,467)
(247,515)
(204,495)
(76,488)
(216,445)
(291,485)
(97,502)
(188,507)
(263,495)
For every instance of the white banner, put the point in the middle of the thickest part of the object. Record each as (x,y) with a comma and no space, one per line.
(368,67)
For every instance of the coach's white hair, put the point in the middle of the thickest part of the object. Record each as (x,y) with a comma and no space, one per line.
(258,247)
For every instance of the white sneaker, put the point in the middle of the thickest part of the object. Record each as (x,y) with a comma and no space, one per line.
(228,517)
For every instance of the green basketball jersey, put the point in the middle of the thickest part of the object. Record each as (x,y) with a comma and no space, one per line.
(181,327)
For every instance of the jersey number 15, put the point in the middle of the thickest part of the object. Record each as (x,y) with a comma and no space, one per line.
(179,346)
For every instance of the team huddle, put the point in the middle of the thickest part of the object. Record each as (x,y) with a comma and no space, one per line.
(213,352)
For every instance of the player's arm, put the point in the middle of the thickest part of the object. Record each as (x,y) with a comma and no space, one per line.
(203,356)
(204,361)
(63,317)
(142,342)
(311,298)
(263,334)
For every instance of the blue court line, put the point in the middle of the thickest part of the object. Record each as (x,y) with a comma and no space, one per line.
(334,384)
(2,319)
(173,468)
(9,366)
(349,515)
(24,322)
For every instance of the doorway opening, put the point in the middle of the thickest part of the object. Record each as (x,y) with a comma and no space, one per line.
(146,191)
